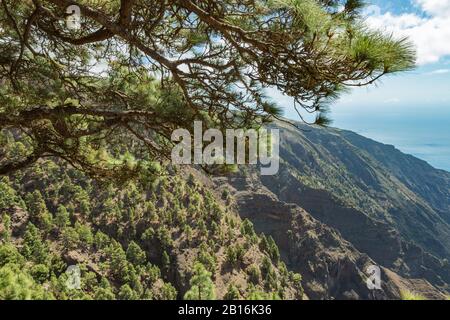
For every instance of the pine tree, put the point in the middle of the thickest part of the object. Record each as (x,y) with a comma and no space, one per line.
(126,293)
(15,284)
(39,214)
(165,261)
(62,217)
(202,287)
(34,248)
(10,255)
(8,197)
(232,293)
(85,235)
(254,274)
(311,50)
(135,254)
(5,234)
(168,292)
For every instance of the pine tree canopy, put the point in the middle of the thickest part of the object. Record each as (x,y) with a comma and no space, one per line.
(136,70)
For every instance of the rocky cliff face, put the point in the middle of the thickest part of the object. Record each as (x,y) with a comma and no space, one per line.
(331,267)
(341,202)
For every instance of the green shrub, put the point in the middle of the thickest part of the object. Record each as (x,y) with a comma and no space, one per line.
(40,273)
(408,295)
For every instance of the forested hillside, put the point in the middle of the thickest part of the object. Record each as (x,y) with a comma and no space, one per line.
(309,232)
(91,93)
(162,237)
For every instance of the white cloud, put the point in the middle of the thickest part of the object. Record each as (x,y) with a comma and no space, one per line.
(430,33)
(435,7)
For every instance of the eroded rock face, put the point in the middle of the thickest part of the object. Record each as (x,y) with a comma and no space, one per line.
(331,267)
(377,238)
(342,202)
(343,179)
(19,220)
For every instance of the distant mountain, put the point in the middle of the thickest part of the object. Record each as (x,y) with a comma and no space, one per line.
(361,199)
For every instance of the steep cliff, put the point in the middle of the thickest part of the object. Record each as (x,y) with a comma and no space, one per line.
(368,198)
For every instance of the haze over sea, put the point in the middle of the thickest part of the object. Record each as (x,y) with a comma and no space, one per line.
(423,132)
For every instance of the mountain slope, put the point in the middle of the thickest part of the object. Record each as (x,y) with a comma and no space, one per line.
(332,268)
(339,204)
(388,205)
(141,240)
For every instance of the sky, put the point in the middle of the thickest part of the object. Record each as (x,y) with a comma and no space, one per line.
(427,24)
(409,110)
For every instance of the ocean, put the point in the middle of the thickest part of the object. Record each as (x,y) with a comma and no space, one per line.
(421,132)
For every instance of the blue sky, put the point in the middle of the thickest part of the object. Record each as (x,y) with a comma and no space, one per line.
(427,23)
(409,110)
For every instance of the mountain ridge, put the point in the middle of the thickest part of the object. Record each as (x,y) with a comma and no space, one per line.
(384,211)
